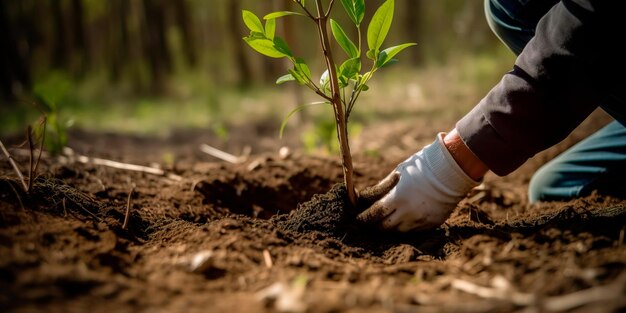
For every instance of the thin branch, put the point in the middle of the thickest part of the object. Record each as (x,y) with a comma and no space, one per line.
(128,205)
(323,95)
(31,148)
(330,8)
(356,92)
(311,84)
(306,10)
(15,167)
(89,212)
(44,123)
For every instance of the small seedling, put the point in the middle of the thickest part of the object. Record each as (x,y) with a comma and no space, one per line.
(339,86)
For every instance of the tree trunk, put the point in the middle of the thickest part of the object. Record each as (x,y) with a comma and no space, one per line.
(60,52)
(155,47)
(413,29)
(79,38)
(242,64)
(185,24)
(14,69)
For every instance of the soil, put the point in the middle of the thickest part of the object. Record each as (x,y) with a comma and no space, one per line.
(220,237)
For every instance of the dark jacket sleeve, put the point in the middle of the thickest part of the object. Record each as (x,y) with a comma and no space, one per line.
(557,81)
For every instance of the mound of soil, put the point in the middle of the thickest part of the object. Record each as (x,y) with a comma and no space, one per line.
(327,213)
(245,238)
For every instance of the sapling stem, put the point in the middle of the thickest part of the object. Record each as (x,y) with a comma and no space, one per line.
(340,120)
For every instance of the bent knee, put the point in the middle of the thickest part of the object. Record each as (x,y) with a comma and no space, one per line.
(551,184)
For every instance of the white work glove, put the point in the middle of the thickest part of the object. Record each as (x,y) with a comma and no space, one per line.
(430,186)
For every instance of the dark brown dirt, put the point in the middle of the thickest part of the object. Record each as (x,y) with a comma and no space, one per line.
(222,239)
(328,213)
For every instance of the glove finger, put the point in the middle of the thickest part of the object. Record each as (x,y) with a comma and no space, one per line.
(374,214)
(371,194)
(391,223)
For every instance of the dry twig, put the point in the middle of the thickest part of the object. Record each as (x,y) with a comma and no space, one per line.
(128,204)
(502,290)
(268,259)
(613,291)
(44,122)
(89,212)
(224,156)
(15,167)
(32,168)
(118,165)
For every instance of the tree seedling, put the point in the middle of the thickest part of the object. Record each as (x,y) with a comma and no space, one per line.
(339,86)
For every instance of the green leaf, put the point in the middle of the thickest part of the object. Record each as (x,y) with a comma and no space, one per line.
(252,21)
(344,42)
(301,72)
(256,35)
(276,15)
(350,68)
(281,46)
(294,111)
(390,62)
(302,68)
(285,78)
(298,76)
(387,55)
(366,77)
(270,29)
(359,9)
(371,54)
(379,26)
(355,10)
(265,47)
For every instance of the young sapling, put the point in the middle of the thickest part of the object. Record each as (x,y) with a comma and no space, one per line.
(339,86)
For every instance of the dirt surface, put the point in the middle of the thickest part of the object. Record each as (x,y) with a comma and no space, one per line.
(63,247)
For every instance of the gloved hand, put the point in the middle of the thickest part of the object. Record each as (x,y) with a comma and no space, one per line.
(427,188)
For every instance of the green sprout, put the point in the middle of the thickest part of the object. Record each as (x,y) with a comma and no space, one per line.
(339,86)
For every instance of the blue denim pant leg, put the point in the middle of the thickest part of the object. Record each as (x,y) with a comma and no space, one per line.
(596,163)
(514,21)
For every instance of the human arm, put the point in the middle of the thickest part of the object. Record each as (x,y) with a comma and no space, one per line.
(560,77)
(558,80)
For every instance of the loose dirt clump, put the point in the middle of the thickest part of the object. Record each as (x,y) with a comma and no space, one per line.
(328,213)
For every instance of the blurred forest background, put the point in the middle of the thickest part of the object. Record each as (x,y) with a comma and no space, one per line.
(145,66)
